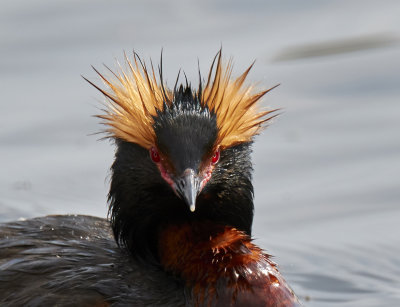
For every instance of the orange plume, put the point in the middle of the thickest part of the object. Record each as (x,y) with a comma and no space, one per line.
(135,95)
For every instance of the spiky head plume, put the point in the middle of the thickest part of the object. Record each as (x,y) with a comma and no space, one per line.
(135,95)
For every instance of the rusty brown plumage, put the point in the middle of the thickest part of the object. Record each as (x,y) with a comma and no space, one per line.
(225,269)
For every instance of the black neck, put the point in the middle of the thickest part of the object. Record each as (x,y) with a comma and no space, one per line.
(141,201)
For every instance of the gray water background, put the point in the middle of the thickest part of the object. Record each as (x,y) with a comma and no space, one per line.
(326,171)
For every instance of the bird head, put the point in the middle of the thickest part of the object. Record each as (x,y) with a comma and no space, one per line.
(185,151)
(182,154)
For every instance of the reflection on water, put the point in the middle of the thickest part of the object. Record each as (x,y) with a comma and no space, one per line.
(326,171)
(337,47)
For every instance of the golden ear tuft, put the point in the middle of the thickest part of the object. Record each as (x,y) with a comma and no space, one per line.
(235,105)
(134,96)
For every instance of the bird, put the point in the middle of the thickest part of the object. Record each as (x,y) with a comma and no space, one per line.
(181,207)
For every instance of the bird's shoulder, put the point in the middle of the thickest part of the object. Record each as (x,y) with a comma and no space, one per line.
(73,260)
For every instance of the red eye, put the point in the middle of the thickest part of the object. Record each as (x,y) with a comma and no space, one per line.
(154,155)
(215,157)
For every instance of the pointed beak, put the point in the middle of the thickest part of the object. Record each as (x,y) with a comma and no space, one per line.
(188,187)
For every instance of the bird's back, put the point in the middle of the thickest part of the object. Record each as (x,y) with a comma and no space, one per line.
(74,261)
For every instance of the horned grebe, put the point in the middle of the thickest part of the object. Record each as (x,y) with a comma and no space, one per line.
(181,207)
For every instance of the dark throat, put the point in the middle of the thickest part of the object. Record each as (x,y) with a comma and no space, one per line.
(142,204)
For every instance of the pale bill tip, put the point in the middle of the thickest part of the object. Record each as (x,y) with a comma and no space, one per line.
(192,207)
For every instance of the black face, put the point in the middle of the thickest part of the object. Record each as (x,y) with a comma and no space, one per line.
(184,135)
(142,201)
